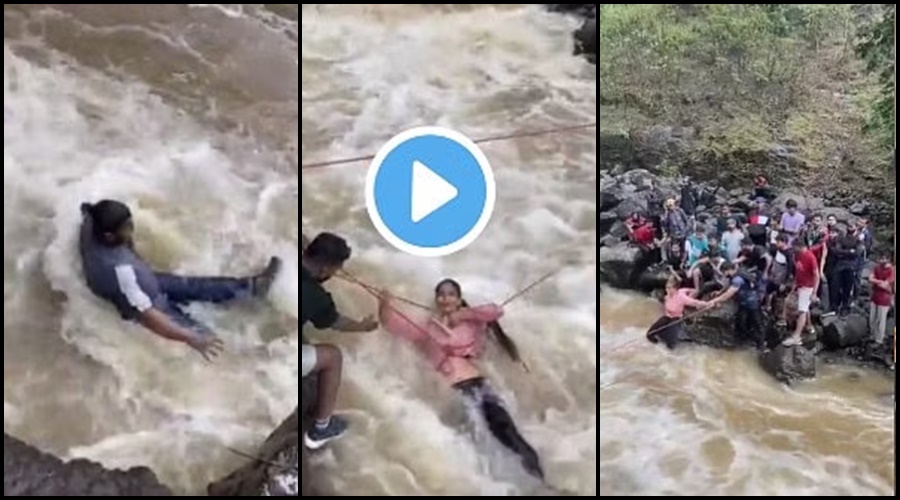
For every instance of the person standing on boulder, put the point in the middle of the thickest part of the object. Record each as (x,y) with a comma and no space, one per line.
(882,280)
(749,302)
(792,221)
(675,222)
(322,259)
(806,282)
(845,251)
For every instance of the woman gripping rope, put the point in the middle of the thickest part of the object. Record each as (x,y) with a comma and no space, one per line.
(452,338)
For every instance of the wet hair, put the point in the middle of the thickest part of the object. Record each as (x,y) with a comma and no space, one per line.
(328,249)
(747,242)
(506,343)
(799,243)
(107,216)
(783,238)
(728,266)
(792,203)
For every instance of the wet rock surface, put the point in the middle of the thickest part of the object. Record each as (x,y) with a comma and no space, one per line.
(29,472)
(276,471)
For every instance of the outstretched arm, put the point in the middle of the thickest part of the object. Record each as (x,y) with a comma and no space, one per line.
(209,346)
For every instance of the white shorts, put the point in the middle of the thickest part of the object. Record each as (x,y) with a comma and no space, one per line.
(804,299)
(309,359)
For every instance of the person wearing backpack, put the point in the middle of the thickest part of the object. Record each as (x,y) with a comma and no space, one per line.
(745,290)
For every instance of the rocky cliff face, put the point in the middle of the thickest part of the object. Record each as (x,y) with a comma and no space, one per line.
(29,472)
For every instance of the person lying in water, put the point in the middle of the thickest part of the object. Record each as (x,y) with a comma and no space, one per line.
(116,273)
(452,338)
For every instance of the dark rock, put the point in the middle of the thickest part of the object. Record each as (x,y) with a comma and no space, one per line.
(715,327)
(275,474)
(653,278)
(788,364)
(586,40)
(849,331)
(860,208)
(584,10)
(30,472)
(605,221)
(804,203)
(617,264)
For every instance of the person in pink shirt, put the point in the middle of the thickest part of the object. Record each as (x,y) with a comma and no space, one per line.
(452,337)
(670,326)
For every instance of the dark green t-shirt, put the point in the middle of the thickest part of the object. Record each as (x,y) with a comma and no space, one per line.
(316,306)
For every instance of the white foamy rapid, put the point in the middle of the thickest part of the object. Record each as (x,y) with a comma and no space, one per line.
(372,71)
(77,380)
(702,421)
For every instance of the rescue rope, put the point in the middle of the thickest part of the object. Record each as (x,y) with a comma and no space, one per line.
(483,140)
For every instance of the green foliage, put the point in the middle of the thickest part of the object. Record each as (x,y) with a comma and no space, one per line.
(876,48)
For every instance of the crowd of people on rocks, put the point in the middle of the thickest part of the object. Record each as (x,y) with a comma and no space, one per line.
(773,265)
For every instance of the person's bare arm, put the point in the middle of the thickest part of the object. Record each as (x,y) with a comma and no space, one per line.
(725,297)
(209,346)
(345,324)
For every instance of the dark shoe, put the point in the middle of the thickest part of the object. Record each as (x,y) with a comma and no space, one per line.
(317,438)
(262,283)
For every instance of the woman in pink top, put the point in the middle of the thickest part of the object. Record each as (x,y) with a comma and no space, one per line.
(670,326)
(452,337)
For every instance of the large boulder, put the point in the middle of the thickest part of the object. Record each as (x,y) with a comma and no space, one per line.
(715,327)
(274,473)
(30,472)
(586,40)
(788,364)
(618,264)
(849,331)
(804,203)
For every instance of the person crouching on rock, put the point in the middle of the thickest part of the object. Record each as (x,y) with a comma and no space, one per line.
(746,291)
(322,259)
(670,327)
(452,338)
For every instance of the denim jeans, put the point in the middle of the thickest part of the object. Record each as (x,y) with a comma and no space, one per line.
(180,291)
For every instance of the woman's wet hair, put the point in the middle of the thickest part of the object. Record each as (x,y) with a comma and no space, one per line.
(506,343)
(328,249)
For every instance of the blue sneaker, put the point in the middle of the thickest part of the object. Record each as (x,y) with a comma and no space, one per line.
(316,438)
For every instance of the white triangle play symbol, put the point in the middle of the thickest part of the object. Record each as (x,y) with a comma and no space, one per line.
(429,192)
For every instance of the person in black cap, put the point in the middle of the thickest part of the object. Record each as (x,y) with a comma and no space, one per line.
(116,273)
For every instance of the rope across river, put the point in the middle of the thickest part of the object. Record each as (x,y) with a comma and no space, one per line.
(632,341)
(483,140)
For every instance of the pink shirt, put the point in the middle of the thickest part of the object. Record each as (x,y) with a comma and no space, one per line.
(675,304)
(441,343)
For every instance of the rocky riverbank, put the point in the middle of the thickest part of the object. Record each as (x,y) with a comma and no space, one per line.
(275,471)
(623,265)
(586,35)
(28,471)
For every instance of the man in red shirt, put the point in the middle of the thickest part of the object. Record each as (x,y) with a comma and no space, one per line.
(882,280)
(806,281)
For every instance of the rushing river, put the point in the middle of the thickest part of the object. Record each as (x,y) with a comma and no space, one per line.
(370,72)
(189,114)
(709,422)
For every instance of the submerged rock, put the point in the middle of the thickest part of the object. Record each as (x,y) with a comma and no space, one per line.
(788,364)
(30,472)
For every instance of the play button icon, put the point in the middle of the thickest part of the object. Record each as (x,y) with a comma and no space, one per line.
(430,191)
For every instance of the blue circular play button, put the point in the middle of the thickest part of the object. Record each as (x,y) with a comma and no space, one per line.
(430,191)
